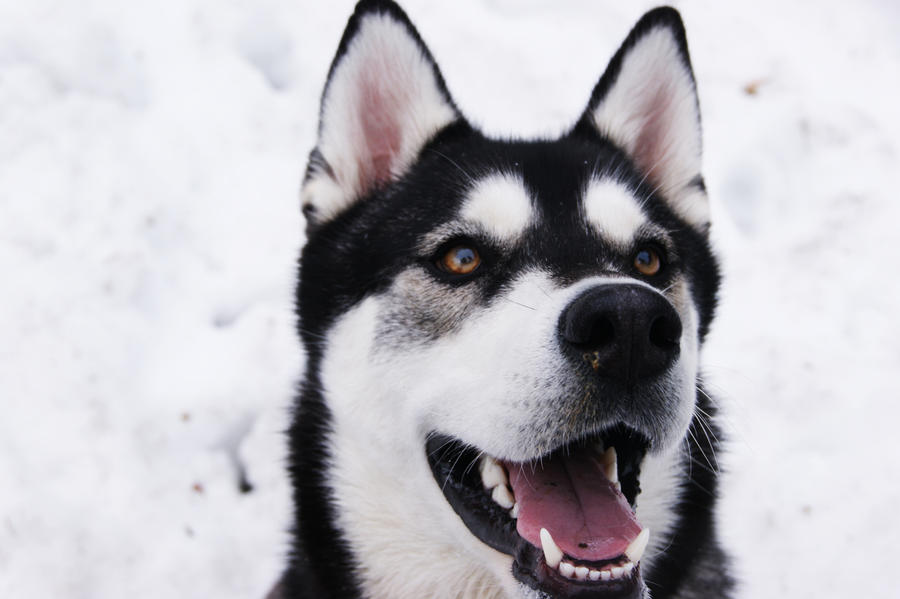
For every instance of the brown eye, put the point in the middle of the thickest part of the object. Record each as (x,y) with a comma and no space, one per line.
(460,260)
(647,261)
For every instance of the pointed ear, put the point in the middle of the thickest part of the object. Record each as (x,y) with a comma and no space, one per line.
(383,101)
(646,103)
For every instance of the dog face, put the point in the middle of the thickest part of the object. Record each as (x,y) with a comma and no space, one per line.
(502,336)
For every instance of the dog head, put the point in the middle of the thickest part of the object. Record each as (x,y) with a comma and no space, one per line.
(502,336)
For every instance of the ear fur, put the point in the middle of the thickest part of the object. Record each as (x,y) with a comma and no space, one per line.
(384,100)
(646,103)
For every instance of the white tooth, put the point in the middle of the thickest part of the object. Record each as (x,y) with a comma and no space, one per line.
(502,496)
(610,465)
(628,567)
(566,569)
(552,553)
(514,512)
(492,473)
(617,572)
(594,575)
(636,549)
(581,572)
(605,575)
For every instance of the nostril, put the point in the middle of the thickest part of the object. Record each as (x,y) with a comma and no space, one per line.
(602,333)
(665,333)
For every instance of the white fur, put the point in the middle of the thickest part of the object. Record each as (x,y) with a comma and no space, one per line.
(693,207)
(501,205)
(383,83)
(661,479)
(614,211)
(651,112)
(490,383)
(388,504)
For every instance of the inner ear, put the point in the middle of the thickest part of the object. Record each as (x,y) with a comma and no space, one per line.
(646,103)
(384,100)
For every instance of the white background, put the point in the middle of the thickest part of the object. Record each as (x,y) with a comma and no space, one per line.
(150,157)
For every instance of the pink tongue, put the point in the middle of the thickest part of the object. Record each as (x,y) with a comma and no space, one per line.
(588,518)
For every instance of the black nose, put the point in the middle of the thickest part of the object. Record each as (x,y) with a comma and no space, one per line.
(626,332)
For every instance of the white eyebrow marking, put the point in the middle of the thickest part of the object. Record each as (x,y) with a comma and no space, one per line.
(501,205)
(613,210)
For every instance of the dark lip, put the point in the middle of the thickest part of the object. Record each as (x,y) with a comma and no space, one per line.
(455,468)
(529,568)
(454,465)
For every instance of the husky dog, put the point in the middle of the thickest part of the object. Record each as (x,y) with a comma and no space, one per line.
(501,397)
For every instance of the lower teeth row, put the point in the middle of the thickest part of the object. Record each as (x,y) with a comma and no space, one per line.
(583,573)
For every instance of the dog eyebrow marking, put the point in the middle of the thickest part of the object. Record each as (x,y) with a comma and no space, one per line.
(614,211)
(501,205)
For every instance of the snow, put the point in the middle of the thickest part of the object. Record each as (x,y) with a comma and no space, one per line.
(150,159)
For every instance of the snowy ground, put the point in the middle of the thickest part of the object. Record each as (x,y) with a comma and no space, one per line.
(150,155)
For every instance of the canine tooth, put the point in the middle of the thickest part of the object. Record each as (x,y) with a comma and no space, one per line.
(552,553)
(492,473)
(594,575)
(566,569)
(618,571)
(636,549)
(605,575)
(581,573)
(514,512)
(628,567)
(611,465)
(502,495)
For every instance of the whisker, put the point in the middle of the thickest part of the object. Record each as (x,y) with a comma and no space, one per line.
(473,462)
(699,448)
(512,301)
(541,289)
(454,163)
(702,488)
(705,420)
(687,450)
(663,550)
(707,431)
(319,336)
(694,460)
(452,468)
(445,444)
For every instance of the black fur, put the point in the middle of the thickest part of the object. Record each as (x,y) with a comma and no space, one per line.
(360,251)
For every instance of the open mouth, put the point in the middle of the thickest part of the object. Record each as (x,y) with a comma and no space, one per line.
(567,518)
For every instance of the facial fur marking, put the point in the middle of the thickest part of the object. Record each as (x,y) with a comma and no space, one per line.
(501,205)
(614,211)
